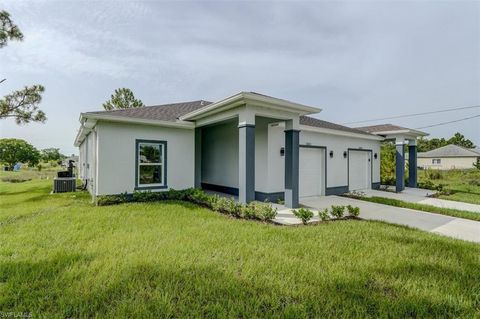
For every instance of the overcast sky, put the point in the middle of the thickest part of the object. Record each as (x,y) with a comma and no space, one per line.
(356,60)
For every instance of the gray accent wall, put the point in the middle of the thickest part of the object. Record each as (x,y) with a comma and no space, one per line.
(292,147)
(246,163)
(336,190)
(198,157)
(400,168)
(412,166)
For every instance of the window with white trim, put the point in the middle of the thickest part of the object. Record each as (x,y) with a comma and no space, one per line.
(151,161)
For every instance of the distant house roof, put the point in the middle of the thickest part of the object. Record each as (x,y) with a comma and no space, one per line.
(450,150)
(171,113)
(386,129)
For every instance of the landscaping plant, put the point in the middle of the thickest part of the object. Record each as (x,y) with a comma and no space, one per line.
(337,211)
(323,214)
(304,214)
(353,211)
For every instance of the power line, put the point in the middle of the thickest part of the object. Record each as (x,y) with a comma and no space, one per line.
(443,123)
(417,114)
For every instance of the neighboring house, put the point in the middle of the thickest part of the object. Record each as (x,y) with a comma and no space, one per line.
(448,157)
(250,145)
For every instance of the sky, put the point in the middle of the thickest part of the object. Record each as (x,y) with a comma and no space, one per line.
(357,60)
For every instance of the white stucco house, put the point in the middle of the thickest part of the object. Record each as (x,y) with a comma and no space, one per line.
(449,157)
(250,145)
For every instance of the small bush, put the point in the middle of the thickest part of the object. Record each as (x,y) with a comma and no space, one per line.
(323,214)
(112,199)
(264,212)
(353,211)
(433,174)
(304,214)
(426,184)
(226,206)
(337,211)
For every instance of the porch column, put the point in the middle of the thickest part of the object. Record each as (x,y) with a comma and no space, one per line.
(246,161)
(292,134)
(198,158)
(399,165)
(412,163)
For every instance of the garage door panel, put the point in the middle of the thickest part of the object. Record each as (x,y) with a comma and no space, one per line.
(311,172)
(359,170)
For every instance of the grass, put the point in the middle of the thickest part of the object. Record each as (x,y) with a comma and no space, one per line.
(62,257)
(462,185)
(422,207)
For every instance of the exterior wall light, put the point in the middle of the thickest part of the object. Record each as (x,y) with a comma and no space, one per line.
(375,156)
(331,154)
(345,154)
(282,151)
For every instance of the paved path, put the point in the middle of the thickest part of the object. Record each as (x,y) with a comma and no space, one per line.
(417,195)
(445,225)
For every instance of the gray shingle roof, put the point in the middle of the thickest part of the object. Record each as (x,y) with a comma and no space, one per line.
(164,112)
(171,112)
(310,121)
(450,150)
(381,128)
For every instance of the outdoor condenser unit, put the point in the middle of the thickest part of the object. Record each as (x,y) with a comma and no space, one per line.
(64,184)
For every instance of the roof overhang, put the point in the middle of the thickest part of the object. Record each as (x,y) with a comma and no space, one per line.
(341,133)
(247,98)
(405,133)
(89,120)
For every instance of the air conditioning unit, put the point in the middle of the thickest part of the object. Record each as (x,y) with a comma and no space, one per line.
(64,184)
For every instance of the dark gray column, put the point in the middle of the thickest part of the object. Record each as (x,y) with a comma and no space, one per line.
(400,168)
(198,157)
(291,167)
(246,163)
(412,166)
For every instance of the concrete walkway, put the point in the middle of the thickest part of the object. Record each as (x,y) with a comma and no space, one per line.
(445,225)
(420,196)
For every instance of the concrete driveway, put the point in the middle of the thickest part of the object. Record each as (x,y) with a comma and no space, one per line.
(420,196)
(445,225)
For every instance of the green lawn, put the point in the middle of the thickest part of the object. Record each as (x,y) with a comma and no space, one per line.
(62,257)
(463,185)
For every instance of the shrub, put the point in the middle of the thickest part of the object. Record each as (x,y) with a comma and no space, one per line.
(426,184)
(112,199)
(338,211)
(304,214)
(247,211)
(264,212)
(323,214)
(353,211)
(433,174)
(227,206)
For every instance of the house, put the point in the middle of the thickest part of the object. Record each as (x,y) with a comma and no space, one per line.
(449,157)
(250,145)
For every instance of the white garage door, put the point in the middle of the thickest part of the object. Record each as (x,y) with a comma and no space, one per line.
(311,171)
(359,170)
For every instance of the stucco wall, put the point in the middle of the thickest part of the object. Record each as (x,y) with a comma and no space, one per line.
(447,162)
(116,155)
(220,154)
(337,172)
(87,156)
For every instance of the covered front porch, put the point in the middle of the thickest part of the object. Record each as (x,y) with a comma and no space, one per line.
(231,147)
(402,137)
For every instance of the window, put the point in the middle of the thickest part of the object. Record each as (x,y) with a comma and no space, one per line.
(151,163)
(436,161)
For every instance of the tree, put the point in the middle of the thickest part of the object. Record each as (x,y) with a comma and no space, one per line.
(460,140)
(52,154)
(22,105)
(123,98)
(387,163)
(425,145)
(13,151)
(8,30)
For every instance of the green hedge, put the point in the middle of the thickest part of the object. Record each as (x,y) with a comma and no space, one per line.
(228,206)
